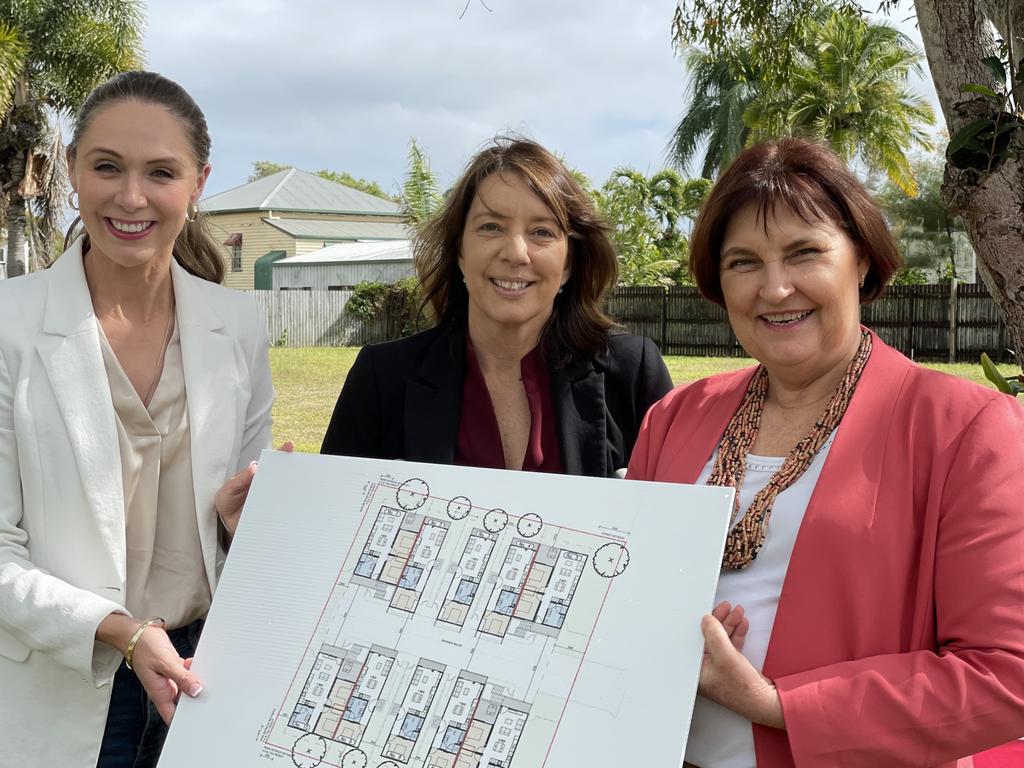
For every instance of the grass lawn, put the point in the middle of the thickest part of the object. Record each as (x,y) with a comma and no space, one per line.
(308,381)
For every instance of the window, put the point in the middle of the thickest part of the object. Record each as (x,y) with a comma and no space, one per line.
(234,242)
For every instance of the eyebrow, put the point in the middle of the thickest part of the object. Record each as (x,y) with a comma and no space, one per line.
(490,213)
(798,242)
(117,155)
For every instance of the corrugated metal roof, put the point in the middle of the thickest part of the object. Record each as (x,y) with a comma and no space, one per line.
(295,190)
(318,229)
(393,250)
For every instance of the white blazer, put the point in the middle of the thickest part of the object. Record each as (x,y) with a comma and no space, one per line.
(62,534)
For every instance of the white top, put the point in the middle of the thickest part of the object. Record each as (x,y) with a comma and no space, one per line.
(166,576)
(718,737)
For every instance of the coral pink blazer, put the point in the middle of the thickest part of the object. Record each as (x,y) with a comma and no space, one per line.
(899,637)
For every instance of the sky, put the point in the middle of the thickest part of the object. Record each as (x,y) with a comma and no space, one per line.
(345,85)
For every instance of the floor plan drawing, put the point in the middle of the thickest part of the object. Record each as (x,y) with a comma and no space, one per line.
(378,614)
(535,585)
(467,577)
(416,703)
(447,621)
(341,692)
(479,726)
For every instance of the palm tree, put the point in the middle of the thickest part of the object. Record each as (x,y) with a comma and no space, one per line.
(848,88)
(421,196)
(720,90)
(52,53)
(645,216)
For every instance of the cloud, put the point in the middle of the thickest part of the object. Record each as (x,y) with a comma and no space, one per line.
(345,85)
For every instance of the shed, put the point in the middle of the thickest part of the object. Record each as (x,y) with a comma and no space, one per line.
(292,212)
(343,266)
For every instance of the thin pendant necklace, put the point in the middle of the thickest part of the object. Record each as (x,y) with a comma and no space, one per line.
(747,537)
(159,368)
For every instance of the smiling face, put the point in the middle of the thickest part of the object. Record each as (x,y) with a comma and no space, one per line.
(136,177)
(514,257)
(791,290)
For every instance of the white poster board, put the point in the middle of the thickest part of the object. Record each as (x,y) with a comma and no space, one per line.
(389,614)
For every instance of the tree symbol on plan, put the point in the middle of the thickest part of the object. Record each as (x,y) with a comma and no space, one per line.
(459,508)
(496,520)
(354,758)
(309,751)
(610,560)
(529,525)
(412,494)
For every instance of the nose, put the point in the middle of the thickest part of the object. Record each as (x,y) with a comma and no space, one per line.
(515,249)
(776,284)
(131,196)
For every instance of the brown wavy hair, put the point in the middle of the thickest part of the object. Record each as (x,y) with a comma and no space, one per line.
(578,326)
(194,249)
(814,183)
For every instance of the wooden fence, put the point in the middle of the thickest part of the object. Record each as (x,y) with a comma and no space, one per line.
(315,319)
(915,319)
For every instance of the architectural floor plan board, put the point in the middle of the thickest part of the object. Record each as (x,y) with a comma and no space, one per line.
(377,614)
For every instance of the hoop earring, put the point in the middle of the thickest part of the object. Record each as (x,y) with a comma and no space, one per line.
(192,212)
(73,199)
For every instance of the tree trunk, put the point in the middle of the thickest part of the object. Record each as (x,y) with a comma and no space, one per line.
(956,39)
(17,253)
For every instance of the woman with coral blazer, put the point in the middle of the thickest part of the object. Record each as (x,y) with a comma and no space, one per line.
(877,549)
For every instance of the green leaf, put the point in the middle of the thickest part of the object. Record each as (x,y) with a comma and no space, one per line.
(995,66)
(992,374)
(961,138)
(982,90)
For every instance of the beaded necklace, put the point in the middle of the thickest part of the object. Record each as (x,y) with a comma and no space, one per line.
(746,538)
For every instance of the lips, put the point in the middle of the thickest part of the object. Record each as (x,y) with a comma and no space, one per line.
(128,230)
(512,286)
(783,319)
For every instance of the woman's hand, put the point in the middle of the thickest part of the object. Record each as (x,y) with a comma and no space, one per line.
(162,672)
(728,678)
(230,499)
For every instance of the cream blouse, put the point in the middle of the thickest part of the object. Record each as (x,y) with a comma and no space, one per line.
(166,574)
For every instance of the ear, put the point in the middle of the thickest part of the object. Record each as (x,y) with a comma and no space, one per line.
(70,158)
(567,271)
(204,174)
(863,267)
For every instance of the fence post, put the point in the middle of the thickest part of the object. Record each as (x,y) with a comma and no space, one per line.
(664,317)
(952,318)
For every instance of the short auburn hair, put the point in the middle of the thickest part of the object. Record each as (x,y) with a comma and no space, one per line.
(808,179)
(578,326)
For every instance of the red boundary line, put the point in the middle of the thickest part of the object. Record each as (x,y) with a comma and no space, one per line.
(577,675)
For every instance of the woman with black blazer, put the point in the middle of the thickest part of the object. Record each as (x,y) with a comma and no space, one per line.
(524,370)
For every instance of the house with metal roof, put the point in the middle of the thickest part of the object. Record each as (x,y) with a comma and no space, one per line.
(343,266)
(288,214)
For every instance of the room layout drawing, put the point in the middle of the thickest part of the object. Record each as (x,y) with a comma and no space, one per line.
(451,639)
(536,584)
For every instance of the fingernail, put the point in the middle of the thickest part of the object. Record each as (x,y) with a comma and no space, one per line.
(195,689)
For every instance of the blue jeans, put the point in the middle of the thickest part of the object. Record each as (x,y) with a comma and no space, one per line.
(135,731)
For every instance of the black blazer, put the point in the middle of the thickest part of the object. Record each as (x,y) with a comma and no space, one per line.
(403,399)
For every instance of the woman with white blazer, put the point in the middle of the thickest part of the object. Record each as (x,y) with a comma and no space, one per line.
(133,388)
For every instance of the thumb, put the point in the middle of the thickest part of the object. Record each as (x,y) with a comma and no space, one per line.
(716,639)
(187,682)
(243,479)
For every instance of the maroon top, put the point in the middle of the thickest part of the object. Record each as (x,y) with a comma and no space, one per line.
(479,439)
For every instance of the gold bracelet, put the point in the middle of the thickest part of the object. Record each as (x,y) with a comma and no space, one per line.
(129,652)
